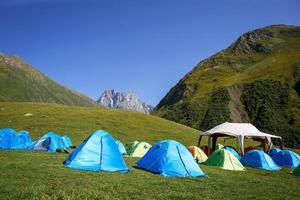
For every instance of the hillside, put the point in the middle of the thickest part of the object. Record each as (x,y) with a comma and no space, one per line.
(22,83)
(79,122)
(256,79)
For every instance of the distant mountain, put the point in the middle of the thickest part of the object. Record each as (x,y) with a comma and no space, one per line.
(20,82)
(123,100)
(256,79)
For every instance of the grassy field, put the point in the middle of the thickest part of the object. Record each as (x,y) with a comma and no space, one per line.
(38,175)
(41,175)
(79,122)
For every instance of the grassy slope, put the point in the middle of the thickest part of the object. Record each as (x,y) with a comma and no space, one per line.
(40,175)
(78,122)
(22,83)
(220,71)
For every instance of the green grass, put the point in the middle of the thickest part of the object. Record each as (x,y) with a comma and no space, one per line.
(38,175)
(79,122)
(41,175)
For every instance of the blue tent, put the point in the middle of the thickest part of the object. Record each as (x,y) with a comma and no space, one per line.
(22,140)
(273,151)
(260,160)
(98,152)
(67,143)
(287,158)
(49,142)
(41,144)
(7,136)
(10,139)
(170,158)
(121,147)
(233,151)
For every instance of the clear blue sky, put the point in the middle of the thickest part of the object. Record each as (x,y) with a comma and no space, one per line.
(144,46)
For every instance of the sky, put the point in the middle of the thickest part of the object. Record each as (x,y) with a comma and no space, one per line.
(144,46)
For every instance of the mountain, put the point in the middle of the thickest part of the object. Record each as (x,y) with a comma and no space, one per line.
(21,82)
(256,79)
(123,100)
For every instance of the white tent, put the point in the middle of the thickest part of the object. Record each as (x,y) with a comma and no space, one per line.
(241,131)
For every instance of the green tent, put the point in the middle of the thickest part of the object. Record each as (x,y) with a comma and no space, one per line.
(219,146)
(297,171)
(131,147)
(137,149)
(224,159)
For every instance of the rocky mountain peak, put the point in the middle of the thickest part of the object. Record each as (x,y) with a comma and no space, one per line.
(123,100)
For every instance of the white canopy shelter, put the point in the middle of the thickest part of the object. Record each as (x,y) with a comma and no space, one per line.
(241,131)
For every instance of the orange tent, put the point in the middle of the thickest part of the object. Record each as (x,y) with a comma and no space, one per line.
(198,154)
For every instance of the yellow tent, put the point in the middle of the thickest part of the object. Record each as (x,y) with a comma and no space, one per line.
(198,154)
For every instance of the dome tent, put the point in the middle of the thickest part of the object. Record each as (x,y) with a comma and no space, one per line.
(219,146)
(273,151)
(49,142)
(260,160)
(233,151)
(296,171)
(10,139)
(198,154)
(170,158)
(41,144)
(131,147)
(22,140)
(98,152)
(287,158)
(224,159)
(138,149)
(67,142)
(121,147)
(6,138)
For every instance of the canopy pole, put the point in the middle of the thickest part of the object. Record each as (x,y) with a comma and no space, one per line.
(209,145)
(241,143)
(199,141)
(281,144)
(214,142)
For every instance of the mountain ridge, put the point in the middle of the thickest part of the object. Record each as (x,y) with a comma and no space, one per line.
(20,82)
(123,100)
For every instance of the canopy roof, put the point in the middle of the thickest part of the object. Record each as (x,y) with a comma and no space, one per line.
(238,130)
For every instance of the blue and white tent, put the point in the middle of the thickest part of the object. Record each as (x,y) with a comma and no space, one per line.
(98,152)
(121,147)
(67,142)
(170,158)
(10,139)
(260,160)
(49,142)
(233,151)
(287,158)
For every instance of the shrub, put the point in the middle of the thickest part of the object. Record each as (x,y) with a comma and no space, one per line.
(266,105)
(217,111)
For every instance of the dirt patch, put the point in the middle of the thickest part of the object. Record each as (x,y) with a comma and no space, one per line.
(237,112)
